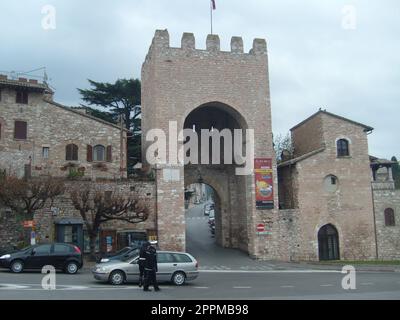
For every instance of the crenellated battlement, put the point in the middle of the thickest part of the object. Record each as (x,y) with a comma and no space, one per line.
(161,41)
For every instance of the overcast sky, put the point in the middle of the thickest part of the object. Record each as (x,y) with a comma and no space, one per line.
(318,55)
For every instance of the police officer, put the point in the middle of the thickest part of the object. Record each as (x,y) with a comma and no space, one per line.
(150,269)
(142,260)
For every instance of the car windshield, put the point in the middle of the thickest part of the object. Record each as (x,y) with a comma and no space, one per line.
(122,251)
(133,255)
(28,248)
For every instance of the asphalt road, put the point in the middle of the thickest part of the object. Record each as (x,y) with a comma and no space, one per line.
(225,274)
(213,285)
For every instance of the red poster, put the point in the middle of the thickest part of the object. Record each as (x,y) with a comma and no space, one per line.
(264,183)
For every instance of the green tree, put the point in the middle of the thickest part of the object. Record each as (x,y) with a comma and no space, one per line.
(103,115)
(396,172)
(122,98)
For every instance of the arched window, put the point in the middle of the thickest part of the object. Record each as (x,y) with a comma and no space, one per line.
(71,152)
(99,153)
(342,146)
(328,243)
(331,183)
(389,217)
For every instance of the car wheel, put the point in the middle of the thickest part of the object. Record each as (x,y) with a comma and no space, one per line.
(179,278)
(71,268)
(17,266)
(117,278)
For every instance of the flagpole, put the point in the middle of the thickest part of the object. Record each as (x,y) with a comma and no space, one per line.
(211,14)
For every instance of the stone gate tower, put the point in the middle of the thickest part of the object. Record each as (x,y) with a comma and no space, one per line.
(200,89)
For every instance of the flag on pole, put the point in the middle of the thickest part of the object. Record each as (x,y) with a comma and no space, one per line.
(213,4)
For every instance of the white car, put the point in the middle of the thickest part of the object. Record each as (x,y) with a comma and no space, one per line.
(175,267)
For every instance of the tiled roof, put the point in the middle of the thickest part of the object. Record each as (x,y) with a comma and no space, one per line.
(366,128)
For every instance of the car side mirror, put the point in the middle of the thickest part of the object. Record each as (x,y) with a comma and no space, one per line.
(33,252)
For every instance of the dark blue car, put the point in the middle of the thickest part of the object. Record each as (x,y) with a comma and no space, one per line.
(61,256)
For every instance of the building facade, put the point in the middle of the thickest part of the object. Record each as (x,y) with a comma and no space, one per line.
(40,137)
(326,205)
(328,200)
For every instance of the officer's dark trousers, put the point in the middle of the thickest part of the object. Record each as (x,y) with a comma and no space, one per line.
(150,279)
(141,275)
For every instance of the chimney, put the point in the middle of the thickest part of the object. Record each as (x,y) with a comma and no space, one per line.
(33,81)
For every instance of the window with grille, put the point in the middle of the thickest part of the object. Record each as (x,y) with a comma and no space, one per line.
(45,152)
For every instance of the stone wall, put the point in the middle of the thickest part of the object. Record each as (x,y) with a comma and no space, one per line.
(45,220)
(307,136)
(54,126)
(349,207)
(388,237)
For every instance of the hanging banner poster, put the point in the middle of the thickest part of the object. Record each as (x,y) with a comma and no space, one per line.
(264,183)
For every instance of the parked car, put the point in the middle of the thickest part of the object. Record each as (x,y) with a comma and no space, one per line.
(207,208)
(175,267)
(7,249)
(211,216)
(123,253)
(61,256)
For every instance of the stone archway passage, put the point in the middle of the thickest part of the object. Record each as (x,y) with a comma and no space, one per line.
(328,243)
(211,89)
(232,219)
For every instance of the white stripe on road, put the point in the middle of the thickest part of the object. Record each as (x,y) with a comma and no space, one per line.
(287,286)
(269,271)
(201,287)
(241,287)
(326,285)
(8,286)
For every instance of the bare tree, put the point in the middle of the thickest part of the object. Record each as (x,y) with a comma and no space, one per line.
(96,207)
(25,197)
(283,147)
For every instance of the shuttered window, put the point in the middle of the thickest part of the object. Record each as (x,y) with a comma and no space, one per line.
(71,152)
(389,217)
(20,130)
(89,153)
(109,154)
(22,96)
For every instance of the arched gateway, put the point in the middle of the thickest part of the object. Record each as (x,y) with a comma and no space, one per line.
(187,88)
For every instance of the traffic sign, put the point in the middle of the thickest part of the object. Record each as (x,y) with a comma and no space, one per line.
(261,227)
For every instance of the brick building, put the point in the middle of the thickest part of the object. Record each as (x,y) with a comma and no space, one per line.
(41,137)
